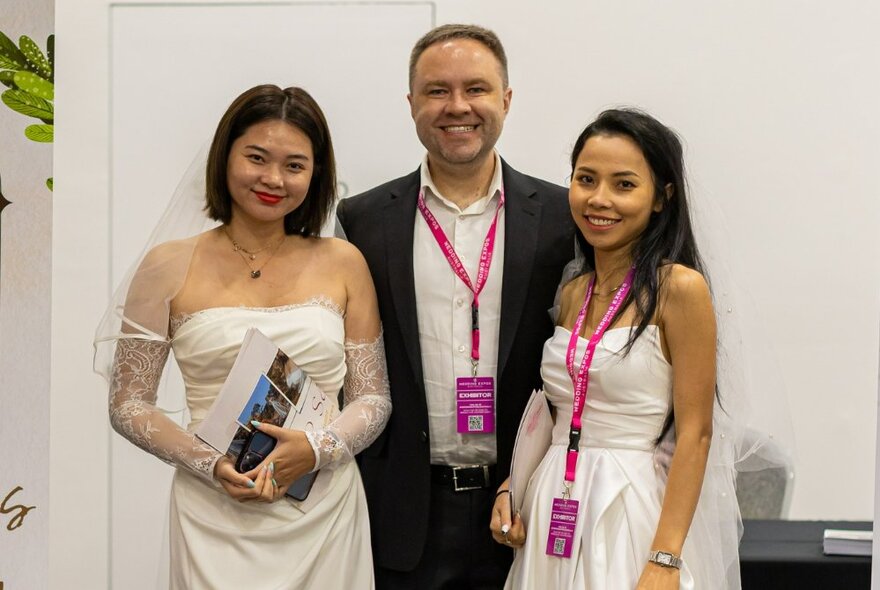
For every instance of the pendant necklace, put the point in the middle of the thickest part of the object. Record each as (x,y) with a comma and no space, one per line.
(248,255)
(607,293)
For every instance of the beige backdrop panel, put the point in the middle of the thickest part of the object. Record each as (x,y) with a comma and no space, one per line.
(25,300)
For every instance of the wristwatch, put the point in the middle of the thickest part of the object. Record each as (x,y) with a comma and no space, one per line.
(665,559)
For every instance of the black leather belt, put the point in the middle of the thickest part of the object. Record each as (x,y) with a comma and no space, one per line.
(462,478)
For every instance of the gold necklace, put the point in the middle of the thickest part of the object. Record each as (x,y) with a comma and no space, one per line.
(239,248)
(607,293)
(252,254)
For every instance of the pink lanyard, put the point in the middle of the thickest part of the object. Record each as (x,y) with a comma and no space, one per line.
(582,380)
(458,268)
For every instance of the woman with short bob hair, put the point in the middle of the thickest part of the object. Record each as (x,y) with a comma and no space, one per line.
(271,185)
(296,107)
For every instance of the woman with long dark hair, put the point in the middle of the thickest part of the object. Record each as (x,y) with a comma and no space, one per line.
(633,359)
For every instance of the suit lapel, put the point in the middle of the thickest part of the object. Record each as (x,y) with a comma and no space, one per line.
(399,225)
(522,217)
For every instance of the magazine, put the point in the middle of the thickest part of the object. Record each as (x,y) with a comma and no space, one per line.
(265,385)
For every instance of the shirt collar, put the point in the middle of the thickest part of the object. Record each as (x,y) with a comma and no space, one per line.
(477,207)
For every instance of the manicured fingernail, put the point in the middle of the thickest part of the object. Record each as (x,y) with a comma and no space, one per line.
(274,483)
(255,424)
(272,467)
(505,528)
(251,484)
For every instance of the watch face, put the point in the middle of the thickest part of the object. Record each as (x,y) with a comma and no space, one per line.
(664,558)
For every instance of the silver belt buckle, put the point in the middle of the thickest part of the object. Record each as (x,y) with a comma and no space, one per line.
(458,488)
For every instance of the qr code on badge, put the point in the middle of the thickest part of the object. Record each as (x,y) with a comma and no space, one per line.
(475,423)
(558,546)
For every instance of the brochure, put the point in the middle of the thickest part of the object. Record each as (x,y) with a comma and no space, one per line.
(267,386)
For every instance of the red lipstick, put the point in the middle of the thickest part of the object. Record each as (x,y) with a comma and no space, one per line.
(268,199)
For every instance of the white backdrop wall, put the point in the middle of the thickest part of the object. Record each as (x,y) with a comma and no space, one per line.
(183,112)
(875,558)
(774,99)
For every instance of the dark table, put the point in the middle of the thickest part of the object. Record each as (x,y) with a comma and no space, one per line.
(787,554)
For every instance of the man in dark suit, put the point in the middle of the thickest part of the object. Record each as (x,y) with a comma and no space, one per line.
(466,254)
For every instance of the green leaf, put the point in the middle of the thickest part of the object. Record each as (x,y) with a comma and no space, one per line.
(40,133)
(28,104)
(50,184)
(6,78)
(37,62)
(10,56)
(9,64)
(50,50)
(33,84)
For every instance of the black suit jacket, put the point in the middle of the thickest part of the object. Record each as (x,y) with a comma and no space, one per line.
(538,241)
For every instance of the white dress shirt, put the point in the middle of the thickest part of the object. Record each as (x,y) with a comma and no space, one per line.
(444,302)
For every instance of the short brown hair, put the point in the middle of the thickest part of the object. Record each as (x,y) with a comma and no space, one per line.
(296,107)
(453,31)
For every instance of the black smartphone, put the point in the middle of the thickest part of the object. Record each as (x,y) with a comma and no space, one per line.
(256,448)
(299,490)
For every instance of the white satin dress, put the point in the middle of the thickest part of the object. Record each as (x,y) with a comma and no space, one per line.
(217,542)
(618,482)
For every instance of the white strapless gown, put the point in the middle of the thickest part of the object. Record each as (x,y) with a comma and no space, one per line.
(217,542)
(618,482)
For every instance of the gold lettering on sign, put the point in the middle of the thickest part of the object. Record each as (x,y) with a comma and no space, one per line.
(19,511)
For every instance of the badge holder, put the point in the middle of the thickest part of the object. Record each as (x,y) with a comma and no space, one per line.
(563,523)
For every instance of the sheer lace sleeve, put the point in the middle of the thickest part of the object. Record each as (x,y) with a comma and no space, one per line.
(137,369)
(366,410)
